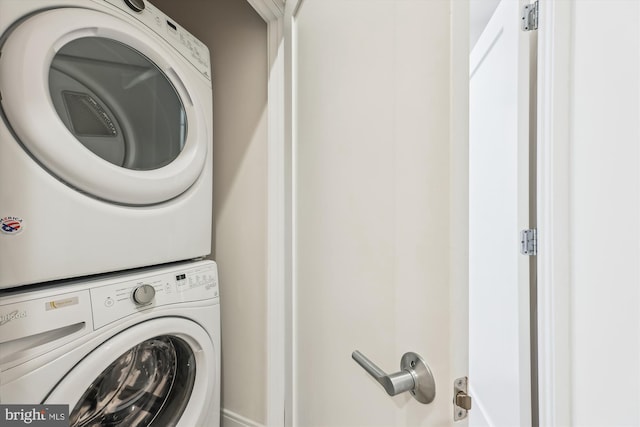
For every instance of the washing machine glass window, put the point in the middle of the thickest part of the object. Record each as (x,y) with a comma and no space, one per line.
(117,103)
(150,384)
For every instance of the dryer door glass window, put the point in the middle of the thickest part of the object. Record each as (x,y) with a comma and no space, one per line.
(117,103)
(150,383)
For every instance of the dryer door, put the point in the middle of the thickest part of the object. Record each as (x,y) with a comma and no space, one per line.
(159,373)
(105,106)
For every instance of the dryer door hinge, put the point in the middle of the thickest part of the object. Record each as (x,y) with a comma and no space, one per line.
(529,242)
(529,21)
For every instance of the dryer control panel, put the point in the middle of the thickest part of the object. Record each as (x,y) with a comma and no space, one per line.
(192,49)
(119,300)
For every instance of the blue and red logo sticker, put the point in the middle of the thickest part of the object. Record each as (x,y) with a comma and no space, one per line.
(11,225)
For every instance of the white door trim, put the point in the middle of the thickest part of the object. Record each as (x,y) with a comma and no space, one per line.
(554,278)
(278,214)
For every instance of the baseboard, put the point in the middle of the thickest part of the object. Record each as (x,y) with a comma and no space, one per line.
(231,419)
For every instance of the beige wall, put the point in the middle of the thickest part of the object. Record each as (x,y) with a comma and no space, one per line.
(237,39)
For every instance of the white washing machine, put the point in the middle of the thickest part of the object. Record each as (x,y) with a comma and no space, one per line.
(105,139)
(141,349)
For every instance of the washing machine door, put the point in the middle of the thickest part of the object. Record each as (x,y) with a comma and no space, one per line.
(159,373)
(104,105)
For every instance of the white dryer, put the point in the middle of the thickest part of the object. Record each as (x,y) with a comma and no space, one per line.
(141,349)
(105,139)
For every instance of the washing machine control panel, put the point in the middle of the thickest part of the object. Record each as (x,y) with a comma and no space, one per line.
(116,301)
(192,49)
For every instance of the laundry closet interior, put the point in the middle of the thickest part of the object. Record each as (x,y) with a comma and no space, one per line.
(106,267)
(237,38)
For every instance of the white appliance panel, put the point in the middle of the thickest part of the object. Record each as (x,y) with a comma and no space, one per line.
(45,359)
(64,211)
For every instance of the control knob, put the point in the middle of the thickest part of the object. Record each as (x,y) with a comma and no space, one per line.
(144,294)
(136,5)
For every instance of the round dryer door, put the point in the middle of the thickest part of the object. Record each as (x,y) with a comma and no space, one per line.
(159,373)
(105,106)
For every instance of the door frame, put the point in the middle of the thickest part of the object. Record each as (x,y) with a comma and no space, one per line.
(279,222)
(553,183)
(554,66)
(553,206)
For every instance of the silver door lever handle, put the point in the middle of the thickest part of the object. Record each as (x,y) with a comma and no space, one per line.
(414,376)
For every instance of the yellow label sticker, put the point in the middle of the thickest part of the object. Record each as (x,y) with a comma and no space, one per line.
(61,303)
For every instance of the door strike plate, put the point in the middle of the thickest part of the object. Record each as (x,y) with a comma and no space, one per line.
(461,399)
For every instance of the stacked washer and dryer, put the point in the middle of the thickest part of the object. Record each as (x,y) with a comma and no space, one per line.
(105,215)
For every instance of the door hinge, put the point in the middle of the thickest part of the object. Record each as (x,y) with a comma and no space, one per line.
(529,17)
(529,242)
(461,399)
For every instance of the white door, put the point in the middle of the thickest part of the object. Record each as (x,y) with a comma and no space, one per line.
(372,209)
(499,325)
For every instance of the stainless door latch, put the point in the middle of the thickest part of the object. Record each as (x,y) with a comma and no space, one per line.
(461,399)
